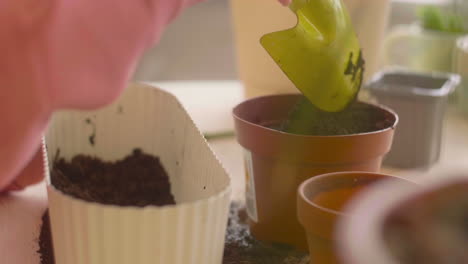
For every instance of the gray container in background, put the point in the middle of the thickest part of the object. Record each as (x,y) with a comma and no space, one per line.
(420,100)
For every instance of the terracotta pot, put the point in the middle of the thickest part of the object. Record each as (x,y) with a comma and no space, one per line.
(277,163)
(321,202)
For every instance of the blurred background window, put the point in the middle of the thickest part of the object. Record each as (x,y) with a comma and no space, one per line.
(199,45)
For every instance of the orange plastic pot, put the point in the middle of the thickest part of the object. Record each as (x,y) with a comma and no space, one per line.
(320,205)
(277,163)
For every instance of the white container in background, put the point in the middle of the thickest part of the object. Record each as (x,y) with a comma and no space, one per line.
(461,68)
(420,100)
(419,49)
(192,231)
(254,18)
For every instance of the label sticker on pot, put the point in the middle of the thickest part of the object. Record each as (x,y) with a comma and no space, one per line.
(250,198)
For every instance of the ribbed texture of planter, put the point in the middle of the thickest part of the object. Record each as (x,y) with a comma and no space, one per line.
(192,231)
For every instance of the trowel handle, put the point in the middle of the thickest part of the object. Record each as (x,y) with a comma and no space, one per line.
(297,4)
(318,4)
(326,17)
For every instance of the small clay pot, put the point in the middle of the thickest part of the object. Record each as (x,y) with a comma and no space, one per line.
(321,203)
(277,162)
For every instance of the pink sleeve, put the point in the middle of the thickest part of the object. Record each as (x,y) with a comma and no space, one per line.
(60,54)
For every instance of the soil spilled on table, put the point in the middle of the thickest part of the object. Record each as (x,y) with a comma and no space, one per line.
(306,119)
(46,251)
(137,180)
(242,248)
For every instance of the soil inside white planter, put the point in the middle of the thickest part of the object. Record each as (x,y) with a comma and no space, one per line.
(139,179)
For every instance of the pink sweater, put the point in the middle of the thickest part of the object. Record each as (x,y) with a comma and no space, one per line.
(59,54)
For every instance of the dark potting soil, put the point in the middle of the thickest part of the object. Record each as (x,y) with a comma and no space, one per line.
(46,251)
(137,180)
(240,247)
(306,119)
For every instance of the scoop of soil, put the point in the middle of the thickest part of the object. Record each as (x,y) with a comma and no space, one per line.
(137,180)
(306,119)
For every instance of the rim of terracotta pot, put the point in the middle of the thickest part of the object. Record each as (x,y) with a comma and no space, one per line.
(311,214)
(372,213)
(379,106)
(258,138)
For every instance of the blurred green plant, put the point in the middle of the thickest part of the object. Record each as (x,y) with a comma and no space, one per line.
(434,18)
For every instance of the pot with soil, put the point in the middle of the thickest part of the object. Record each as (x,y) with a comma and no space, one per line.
(134,182)
(278,162)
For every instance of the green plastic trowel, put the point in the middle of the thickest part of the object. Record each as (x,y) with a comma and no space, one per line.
(321,54)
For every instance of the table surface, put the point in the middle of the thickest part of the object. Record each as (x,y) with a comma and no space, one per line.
(209,103)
